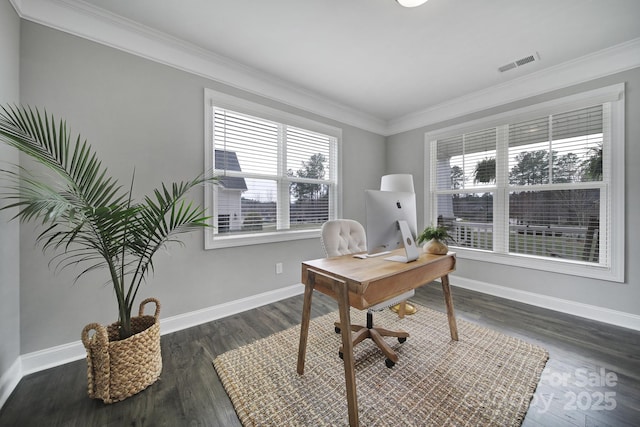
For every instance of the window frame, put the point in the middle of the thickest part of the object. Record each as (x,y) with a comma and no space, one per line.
(613,157)
(214,99)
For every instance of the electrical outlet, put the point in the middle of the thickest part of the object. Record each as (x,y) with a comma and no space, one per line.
(278,268)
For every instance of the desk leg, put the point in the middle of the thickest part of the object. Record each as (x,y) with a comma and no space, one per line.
(347,351)
(304,326)
(453,326)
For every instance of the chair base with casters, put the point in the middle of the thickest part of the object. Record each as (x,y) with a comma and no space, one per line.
(362,332)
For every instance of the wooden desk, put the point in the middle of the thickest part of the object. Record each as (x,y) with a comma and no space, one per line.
(361,283)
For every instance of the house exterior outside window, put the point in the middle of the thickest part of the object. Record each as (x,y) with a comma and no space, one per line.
(540,187)
(229,192)
(278,173)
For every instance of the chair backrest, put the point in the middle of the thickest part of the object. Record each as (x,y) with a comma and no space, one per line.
(343,237)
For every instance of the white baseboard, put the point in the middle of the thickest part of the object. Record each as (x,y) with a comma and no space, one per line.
(52,357)
(9,381)
(198,317)
(605,315)
(65,353)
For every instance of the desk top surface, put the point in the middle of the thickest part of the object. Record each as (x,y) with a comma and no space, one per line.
(369,269)
(372,280)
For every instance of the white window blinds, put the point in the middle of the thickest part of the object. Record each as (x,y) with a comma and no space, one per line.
(274,177)
(539,187)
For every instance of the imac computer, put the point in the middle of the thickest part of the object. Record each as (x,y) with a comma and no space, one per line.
(391,223)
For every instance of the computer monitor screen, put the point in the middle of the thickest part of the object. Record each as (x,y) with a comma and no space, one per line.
(383,211)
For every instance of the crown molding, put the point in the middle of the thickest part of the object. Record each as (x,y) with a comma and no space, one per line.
(609,61)
(89,22)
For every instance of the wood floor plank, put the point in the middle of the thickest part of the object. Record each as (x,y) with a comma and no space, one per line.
(189,392)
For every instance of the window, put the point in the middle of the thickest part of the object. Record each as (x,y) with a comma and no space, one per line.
(541,187)
(278,173)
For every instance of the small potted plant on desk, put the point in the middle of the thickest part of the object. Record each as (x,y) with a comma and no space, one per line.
(436,238)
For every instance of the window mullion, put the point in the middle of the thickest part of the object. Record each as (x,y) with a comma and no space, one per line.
(606,208)
(464,159)
(433,190)
(501,198)
(550,139)
(333,177)
(283,183)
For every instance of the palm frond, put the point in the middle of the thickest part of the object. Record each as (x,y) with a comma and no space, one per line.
(88,218)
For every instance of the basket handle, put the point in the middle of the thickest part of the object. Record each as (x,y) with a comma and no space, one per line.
(156,315)
(101,337)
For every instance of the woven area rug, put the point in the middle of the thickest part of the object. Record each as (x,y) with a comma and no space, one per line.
(484,379)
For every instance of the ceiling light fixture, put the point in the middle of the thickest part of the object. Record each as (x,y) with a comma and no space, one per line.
(411,3)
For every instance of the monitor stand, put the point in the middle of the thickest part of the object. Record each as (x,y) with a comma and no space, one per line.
(409,243)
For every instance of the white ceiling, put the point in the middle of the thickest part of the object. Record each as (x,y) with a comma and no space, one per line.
(378,58)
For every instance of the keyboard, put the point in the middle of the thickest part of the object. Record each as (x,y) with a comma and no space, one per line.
(378,254)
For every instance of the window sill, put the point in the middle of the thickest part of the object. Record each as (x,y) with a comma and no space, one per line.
(217,242)
(573,268)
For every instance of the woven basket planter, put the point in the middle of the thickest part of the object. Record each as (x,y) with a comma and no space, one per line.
(118,369)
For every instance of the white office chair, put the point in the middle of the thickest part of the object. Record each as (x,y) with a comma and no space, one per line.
(344,237)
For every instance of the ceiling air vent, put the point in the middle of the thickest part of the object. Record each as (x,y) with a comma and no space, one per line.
(519,62)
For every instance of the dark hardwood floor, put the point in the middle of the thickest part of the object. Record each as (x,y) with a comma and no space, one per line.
(592,377)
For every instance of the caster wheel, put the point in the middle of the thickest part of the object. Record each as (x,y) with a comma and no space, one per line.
(337,330)
(390,363)
(341,355)
(402,339)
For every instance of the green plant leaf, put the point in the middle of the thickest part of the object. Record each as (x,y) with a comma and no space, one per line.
(88,218)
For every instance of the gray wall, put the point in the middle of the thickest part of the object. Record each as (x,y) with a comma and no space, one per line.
(137,113)
(405,152)
(141,114)
(9,243)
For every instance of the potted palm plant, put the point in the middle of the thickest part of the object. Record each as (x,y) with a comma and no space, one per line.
(89,219)
(436,238)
